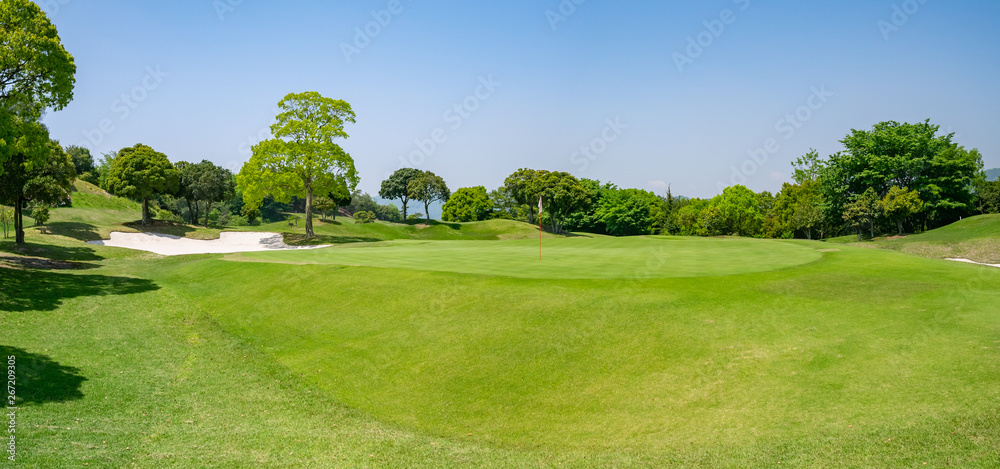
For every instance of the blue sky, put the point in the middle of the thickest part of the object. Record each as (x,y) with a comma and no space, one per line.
(534,81)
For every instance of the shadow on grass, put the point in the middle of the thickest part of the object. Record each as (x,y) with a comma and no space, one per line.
(38,379)
(162,227)
(296,239)
(52,252)
(39,290)
(75,230)
(424,223)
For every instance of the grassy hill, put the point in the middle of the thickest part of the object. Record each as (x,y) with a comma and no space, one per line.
(976,238)
(463,352)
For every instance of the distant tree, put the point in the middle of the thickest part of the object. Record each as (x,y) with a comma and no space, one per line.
(139,173)
(562,194)
(629,212)
(987,196)
(739,211)
(364,216)
(468,204)
(103,167)
(82,158)
(398,186)
(302,158)
(863,210)
(504,206)
(428,187)
(40,213)
(521,185)
(389,213)
(808,167)
(900,204)
(189,175)
(211,184)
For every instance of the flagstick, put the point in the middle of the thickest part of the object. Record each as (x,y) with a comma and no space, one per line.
(539,237)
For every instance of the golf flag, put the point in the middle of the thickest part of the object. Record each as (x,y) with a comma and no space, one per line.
(539,205)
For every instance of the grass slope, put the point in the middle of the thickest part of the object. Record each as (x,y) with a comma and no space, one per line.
(976,238)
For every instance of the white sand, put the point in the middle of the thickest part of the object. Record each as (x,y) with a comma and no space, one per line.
(228,242)
(973,262)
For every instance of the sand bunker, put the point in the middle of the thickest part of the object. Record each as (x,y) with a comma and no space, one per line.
(228,242)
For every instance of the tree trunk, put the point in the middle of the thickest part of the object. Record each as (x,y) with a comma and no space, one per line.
(309,218)
(899,225)
(871,224)
(531,214)
(208,209)
(404,200)
(428,214)
(18,222)
(145,212)
(191,215)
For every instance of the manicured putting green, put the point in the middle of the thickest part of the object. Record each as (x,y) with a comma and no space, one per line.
(568,258)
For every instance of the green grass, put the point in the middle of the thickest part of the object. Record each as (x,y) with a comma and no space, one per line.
(566,258)
(688,353)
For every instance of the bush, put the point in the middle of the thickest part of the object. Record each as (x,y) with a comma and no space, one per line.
(364,216)
(238,220)
(389,213)
(167,215)
(41,214)
(415,216)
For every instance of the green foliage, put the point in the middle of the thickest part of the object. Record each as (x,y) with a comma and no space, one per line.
(523,190)
(397,186)
(987,196)
(139,173)
(414,216)
(904,155)
(863,210)
(561,194)
(6,219)
(40,212)
(738,212)
(82,159)
(629,212)
(389,213)
(44,173)
(364,217)
(428,187)
(468,204)
(36,72)
(899,205)
(302,158)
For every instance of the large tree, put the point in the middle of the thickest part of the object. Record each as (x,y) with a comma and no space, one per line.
(46,183)
(139,173)
(36,73)
(561,193)
(428,187)
(899,204)
(904,155)
(302,158)
(468,204)
(397,186)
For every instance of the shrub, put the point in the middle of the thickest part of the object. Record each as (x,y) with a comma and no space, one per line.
(238,220)
(167,215)
(415,216)
(41,214)
(364,216)
(389,213)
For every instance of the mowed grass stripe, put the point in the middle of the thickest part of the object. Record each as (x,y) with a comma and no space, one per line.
(567,258)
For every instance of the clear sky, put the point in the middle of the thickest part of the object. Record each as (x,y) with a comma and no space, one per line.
(658,92)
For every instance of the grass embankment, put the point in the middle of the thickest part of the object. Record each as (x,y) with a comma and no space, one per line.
(976,238)
(852,358)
